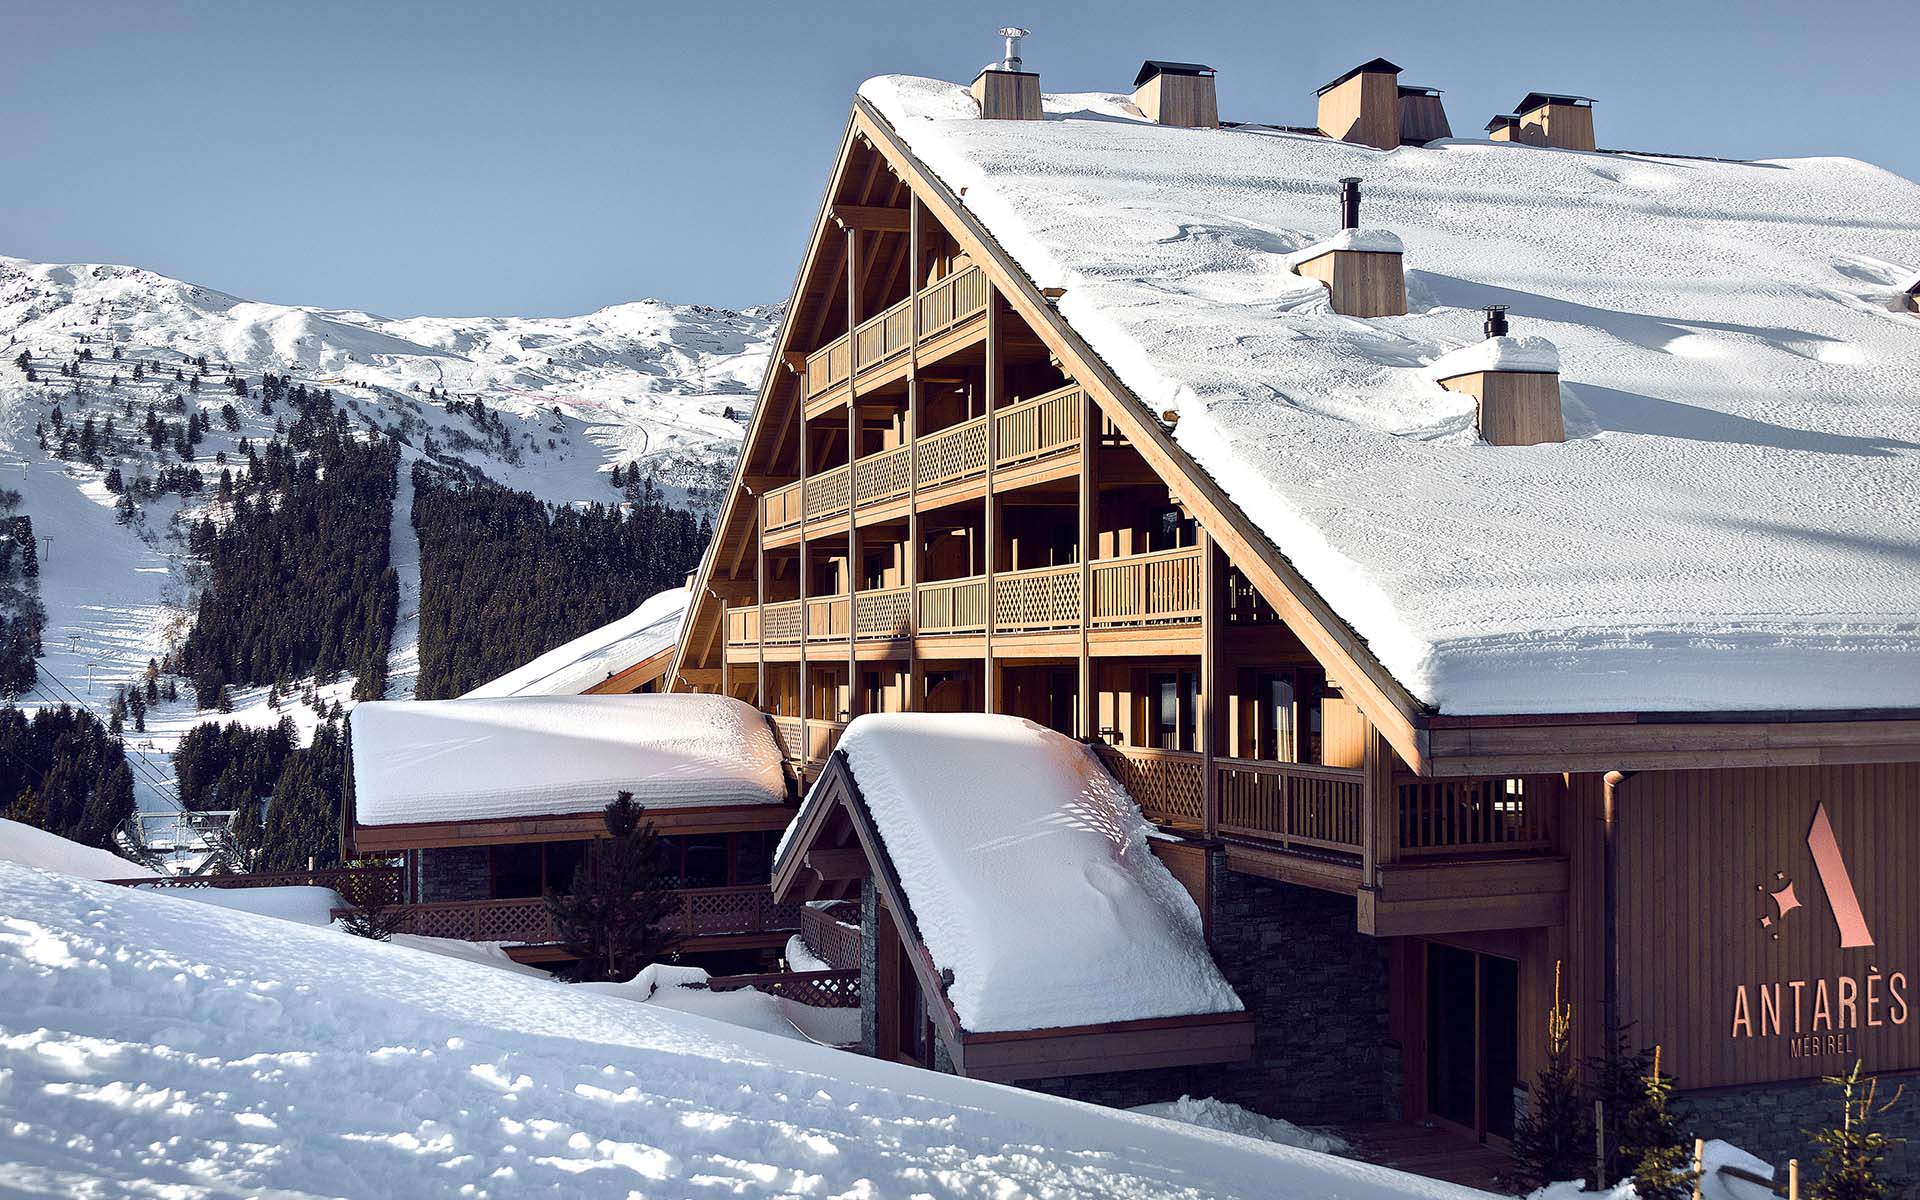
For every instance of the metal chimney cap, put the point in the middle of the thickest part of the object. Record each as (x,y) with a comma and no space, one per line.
(1013,34)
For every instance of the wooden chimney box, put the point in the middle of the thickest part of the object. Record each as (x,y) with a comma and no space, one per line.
(1363,106)
(1361,283)
(1517,408)
(1177,94)
(1008,95)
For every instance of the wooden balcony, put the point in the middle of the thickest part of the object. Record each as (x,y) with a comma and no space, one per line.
(955,453)
(1146,588)
(828,494)
(881,339)
(1043,598)
(827,618)
(953,606)
(884,615)
(724,912)
(887,475)
(809,741)
(1035,428)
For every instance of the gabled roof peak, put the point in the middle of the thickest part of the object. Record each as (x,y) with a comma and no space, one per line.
(1533,100)
(1378,66)
(1160,66)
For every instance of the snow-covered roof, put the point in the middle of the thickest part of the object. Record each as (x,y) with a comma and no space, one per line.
(598,655)
(1028,871)
(32,846)
(528,756)
(1734,519)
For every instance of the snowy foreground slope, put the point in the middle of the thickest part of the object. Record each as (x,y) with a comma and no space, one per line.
(152,1046)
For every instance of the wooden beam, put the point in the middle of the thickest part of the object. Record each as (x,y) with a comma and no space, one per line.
(847,863)
(869,218)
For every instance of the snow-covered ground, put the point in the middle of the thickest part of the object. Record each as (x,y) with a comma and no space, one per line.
(668,385)
(154,1047)
(24,845)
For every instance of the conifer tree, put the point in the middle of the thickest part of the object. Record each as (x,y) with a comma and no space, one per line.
(1853,1153)
(1652,1143)
(1553,1139)
(611,917)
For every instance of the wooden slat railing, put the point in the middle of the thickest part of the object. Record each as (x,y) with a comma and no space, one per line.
(780,508)
(951,301)
(702,912)
(1452,817)
(955,453)
(827,617)
(827,493)
(822,737)
(953,606)
(1294,804)
(884,613)
(883,476)
(1038,427)
(881,337)
(829,366)
(780,623)
(1164,783)
(743,625)
(1043,598)
(1142,588)
(836,941)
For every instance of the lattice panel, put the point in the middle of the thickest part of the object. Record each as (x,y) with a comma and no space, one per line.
(1048,598)
(951,454)
(1164,783)
(883,476)
(884,614)
(826,493)
(780,623)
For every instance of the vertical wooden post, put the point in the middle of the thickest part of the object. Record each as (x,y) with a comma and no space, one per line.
(1793,1179)
(726,659)
(991,506)
(1089,537)
(1210,706)
(1699,1164)
(1377,804)
(1599,1145)
(760,600)
(915,677)
(804,700)
(853,451)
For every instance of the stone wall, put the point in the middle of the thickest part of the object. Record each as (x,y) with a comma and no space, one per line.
(447,873)
(869,968)
(1771,1120)
(1317,989)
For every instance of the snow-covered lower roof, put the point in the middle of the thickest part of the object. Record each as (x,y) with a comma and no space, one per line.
(32,846)
(1734,519)
(1028,871)
(526,756)
(598,655)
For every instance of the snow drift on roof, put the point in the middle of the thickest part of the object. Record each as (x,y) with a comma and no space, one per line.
(1734,521)
(31,846)
(527,756)
(1027,868)
(598,655)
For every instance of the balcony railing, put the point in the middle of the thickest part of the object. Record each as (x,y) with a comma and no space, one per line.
(827,493)
(1142,588)
(1446,816)
(883,476)
(953,606)
(780,626)
(884,614)
(1293,804)
(1044,598)
(702,912)
(955,453)
(781,508)
(822,737)
(743,625)
(1038,427)
(881,338)
(787,729)
(1165,783)
(827,618)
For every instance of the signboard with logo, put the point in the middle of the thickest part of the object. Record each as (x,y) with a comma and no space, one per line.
(1769,920)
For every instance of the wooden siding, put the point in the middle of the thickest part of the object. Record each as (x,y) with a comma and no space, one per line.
(1361,283)
(1183,101)
(1363,109)
(1699,853)
(1516,408)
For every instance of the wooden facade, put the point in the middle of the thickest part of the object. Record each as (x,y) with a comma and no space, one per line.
(1516,408)
(947,502)
(1361,283)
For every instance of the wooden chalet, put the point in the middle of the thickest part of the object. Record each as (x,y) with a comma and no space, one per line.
(948,500)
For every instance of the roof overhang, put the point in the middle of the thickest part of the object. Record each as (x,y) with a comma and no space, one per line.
(500,831)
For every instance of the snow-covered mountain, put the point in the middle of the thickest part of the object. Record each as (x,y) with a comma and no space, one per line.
(543,405)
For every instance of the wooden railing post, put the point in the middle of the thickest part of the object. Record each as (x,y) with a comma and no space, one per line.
(1377,805)
(990,519)
(1088,533)
(1211,705)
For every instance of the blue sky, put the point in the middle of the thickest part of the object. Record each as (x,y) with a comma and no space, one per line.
(548,158)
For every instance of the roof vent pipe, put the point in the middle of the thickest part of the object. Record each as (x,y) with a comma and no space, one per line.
(1350,202)
(1496,321)
(1013,34)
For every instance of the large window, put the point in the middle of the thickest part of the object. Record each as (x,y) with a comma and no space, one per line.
(1173,705)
